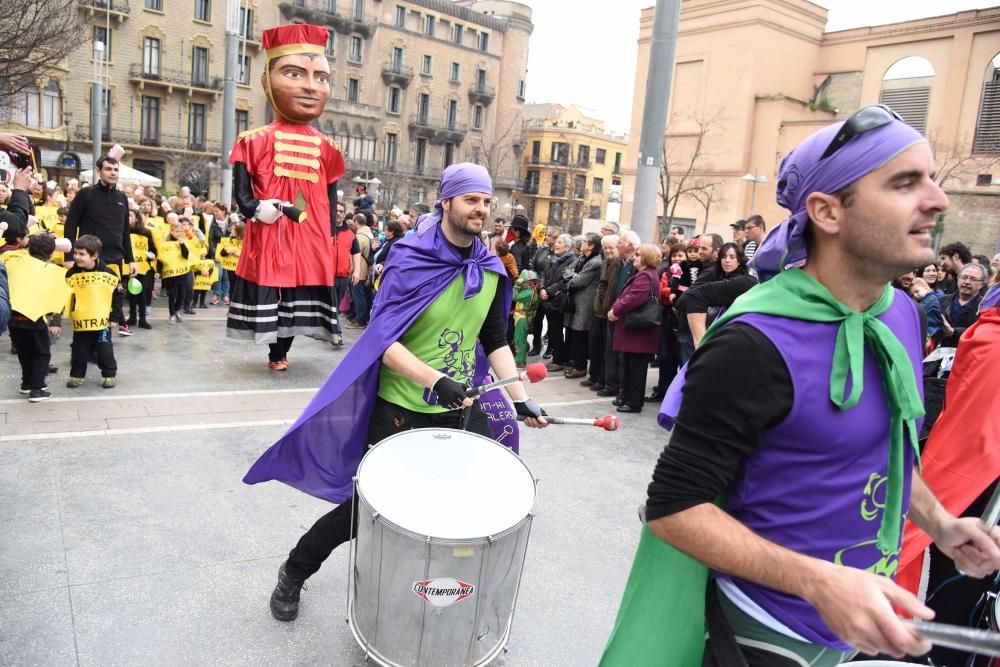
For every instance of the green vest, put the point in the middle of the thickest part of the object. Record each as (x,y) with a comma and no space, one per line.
(444,337)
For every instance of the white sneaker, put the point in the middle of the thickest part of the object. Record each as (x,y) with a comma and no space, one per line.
(173,319)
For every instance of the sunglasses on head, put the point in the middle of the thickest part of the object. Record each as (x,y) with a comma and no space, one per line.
(861,121)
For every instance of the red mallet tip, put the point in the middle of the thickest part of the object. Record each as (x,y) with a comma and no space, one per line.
(608,423)
(536,372)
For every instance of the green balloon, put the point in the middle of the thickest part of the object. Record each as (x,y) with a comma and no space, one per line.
(134,286)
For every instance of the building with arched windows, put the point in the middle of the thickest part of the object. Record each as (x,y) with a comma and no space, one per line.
(752,78)
(416,85)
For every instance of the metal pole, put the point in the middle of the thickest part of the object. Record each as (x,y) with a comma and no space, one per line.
(654,117)
(96,110)
(229,98)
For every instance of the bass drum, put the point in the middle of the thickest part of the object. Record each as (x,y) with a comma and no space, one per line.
(443,523)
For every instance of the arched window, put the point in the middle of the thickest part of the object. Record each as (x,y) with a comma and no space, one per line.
(988,122)
(28,107)
(906,88)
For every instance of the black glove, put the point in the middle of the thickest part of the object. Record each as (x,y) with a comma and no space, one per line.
(450,394)
(529,408)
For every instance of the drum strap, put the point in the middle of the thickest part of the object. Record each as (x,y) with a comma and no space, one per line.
(721,640)
(463,424)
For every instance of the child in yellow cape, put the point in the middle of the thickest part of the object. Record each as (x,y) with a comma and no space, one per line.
(95,294)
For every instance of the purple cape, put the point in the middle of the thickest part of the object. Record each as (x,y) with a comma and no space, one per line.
(320,453)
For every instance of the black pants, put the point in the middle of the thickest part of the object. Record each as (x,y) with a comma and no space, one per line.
(278,351)
(579,346)
(335,527)
(536,330)
(33,352)
(634,367)
(669,356)
(137,302)
(84,342)
(598,329)
(200,296)
(188,290)
(148,283)
(175,293)
(557,341)
(231,275)
(612,362)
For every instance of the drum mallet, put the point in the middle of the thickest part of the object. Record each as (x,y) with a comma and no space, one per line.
(973,640)
(607,422)
(991,515)
(533,373)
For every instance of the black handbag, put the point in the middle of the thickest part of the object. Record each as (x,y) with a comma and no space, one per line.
(646,316)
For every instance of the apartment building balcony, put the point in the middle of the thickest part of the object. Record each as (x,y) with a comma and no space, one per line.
(482,94)
(174,79)
(397,74)
(356,109)
(132,138)
(437,132)
(120,9)
(321,12)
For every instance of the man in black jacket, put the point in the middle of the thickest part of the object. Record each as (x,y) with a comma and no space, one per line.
(523,248)
(102,210)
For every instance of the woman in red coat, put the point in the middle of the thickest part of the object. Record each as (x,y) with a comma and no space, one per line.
(637,345)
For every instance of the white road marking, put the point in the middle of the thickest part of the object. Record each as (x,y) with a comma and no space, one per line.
(112,432)
(131,397)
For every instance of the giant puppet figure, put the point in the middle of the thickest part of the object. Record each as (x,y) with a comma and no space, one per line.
(284,178)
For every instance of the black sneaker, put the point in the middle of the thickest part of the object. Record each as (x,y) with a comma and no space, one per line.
(25,389)
(143,324)
(53,369)
(38,395)
(285,598)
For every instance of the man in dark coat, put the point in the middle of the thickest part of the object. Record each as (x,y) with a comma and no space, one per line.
(960,310)
(523,249)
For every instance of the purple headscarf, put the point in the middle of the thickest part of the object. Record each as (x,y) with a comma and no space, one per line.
(802,173)
(991,300)
(458,179)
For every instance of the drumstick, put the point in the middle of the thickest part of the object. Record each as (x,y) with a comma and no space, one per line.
(533,373)
(983,642)
(991,515)
(607,422)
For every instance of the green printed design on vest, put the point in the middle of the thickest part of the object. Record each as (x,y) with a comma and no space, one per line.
(444,337)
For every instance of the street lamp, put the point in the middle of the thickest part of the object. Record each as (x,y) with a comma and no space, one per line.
(754,179)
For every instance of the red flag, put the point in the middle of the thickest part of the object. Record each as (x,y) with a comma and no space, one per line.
(962,456)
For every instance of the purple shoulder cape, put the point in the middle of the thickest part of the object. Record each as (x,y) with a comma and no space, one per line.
(320,453)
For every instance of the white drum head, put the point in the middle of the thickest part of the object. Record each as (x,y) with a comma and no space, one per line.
(883,663)
(446,483)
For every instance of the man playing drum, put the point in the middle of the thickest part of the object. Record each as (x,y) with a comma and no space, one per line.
(438,325)
(810,460)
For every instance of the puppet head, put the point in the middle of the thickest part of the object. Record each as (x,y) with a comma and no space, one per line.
(296,74)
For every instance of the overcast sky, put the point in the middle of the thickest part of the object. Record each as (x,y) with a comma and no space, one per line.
(581,52)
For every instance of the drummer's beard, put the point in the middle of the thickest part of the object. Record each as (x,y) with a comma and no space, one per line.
(468,225)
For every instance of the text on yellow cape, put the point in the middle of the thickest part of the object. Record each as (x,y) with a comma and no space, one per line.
(140,246)
(204,283)
(172,262)
(90,304)
(229,244)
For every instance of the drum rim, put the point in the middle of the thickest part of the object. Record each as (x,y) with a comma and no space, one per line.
(440,540)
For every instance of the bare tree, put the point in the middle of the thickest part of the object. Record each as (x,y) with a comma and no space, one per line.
(196,172)
(35,35)
(395,188)
(680,170)
(499,150)
(706,194)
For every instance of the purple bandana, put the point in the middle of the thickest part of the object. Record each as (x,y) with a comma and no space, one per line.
(802,173)
(458,179)
(991,300)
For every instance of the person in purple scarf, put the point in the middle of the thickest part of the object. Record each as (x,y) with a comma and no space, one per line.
(777,506)
(438,325)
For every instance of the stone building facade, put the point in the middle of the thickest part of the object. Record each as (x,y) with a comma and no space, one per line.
(752,78)
(416,85)
(571,168)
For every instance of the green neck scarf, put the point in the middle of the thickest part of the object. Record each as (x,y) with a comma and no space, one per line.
(797,295)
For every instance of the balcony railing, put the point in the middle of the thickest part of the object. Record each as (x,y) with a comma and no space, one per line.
(354,109)
(437,132)
(173,78)
(162,140)
(397,74)
(531,189)
(319,12)
(119,8)
(482,94)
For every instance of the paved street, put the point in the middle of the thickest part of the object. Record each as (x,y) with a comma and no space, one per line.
(128,537)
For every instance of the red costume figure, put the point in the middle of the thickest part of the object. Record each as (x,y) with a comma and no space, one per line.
(284,177)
